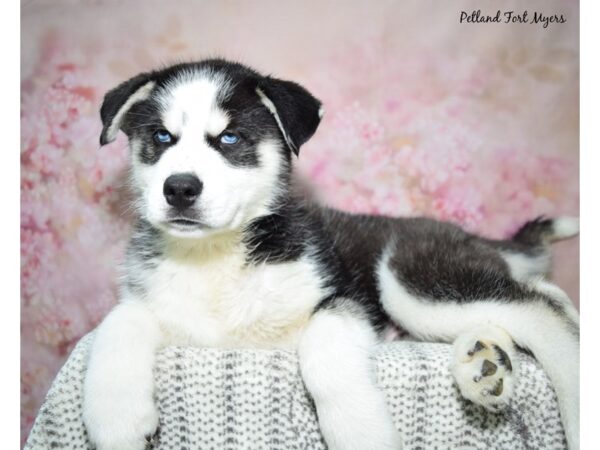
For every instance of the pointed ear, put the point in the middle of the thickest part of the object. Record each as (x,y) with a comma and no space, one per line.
(295,110)
(118,101)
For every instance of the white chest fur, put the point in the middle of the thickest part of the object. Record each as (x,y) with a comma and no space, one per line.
(211,297)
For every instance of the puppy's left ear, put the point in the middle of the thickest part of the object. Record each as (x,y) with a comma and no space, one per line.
(295,110)
(119,100)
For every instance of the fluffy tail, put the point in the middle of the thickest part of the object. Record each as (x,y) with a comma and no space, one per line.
(542,231)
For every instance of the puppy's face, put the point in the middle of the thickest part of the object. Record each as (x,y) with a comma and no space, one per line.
(211,143)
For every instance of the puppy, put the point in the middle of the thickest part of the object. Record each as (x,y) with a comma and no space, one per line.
(225,253)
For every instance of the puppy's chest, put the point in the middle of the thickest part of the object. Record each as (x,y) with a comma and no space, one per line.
(222,301)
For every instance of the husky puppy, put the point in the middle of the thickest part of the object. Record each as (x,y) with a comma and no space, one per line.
(225,253)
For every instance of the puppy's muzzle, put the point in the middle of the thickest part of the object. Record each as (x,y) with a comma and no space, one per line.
(182,190)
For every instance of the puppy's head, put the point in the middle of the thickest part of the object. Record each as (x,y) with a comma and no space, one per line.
(211,142)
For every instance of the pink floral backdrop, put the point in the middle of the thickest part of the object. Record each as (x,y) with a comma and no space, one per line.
(473,123)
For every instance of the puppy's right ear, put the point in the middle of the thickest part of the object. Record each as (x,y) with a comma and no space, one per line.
(118,101)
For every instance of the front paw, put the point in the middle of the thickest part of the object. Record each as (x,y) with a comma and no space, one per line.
(120,422)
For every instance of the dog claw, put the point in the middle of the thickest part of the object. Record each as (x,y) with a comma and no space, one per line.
(152,439)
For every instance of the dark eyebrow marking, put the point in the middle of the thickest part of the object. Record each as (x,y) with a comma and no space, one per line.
(243,154)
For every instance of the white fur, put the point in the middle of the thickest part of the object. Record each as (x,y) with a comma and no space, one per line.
(335,353)
(524,267)
(203,295)
(565,227)
(208,296)
(119,409)
(542,285)
(190,108)
(141,94)
(230,197)
(529,324)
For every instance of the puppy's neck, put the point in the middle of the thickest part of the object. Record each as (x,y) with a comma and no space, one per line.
(276,236)
(205,248)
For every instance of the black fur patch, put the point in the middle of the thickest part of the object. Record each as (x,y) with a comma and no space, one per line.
(141,122)
(298,110)
(439,262)
(143,253)
(249,119)
(115,98)
(241,154)
(353,243)
(278,237)
(534,232)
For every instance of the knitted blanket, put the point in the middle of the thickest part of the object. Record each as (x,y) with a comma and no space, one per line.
(255,399)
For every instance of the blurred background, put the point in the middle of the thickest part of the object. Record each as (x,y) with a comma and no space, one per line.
(473,123)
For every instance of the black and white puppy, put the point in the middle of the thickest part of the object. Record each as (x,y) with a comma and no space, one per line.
(225,253)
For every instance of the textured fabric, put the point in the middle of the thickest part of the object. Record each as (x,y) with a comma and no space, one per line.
(242,399)
(424,115)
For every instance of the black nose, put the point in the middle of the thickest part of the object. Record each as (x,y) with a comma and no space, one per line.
(182,190)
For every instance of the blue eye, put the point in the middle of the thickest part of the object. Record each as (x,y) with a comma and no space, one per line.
(163,137)
(229,138)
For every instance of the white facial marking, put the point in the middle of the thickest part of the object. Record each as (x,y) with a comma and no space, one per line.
(191,107)
(231,195)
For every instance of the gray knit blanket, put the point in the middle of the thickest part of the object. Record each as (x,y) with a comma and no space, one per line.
(255,399)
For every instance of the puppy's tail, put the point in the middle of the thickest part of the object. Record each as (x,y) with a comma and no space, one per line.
(542,231)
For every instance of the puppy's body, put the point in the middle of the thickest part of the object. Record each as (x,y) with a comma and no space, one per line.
(225,253)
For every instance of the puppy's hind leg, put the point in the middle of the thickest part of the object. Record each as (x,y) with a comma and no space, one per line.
(336,365)
(543,321)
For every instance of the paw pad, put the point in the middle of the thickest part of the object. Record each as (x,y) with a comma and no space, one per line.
(489,368)
(483,370)
(498,388)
